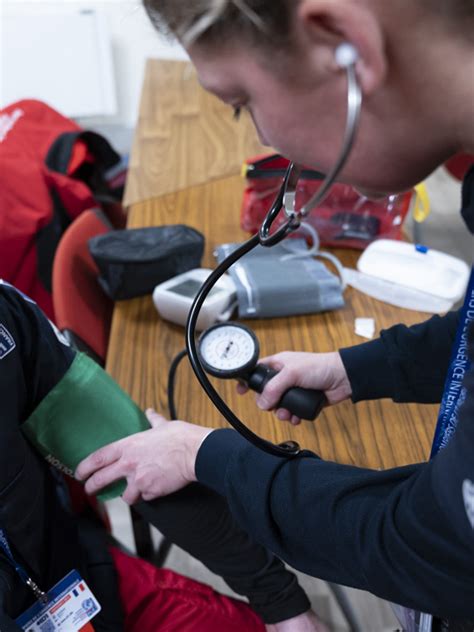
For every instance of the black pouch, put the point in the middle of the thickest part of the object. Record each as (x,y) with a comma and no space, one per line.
(132,262)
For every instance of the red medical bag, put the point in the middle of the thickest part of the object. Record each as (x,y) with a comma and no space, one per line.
(160,600)
(50,172)
(345,218)
(459,165)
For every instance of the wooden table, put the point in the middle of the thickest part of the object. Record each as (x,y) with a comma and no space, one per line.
(184,135)
(374,434)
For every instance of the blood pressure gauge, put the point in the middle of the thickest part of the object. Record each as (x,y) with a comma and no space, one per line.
(231,350)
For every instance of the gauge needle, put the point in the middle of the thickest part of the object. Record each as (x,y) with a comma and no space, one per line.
(227,349)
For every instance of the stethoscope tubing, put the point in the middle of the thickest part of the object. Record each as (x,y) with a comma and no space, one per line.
(201,375)
(285,199)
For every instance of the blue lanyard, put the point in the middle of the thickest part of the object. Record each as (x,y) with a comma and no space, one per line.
(25,578)
(454,392)
(453,398)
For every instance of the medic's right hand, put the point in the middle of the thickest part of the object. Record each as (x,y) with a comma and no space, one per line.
(318,371)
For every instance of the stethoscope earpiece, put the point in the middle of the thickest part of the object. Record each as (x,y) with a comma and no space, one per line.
(346,55)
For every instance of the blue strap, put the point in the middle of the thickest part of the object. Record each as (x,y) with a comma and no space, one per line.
(4,545)
(25,578)
(454,393)
(453,398)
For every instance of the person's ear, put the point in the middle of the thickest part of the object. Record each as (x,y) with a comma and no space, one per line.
(325,24)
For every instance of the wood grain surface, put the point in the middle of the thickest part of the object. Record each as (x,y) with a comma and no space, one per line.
(184,135)
(374,434)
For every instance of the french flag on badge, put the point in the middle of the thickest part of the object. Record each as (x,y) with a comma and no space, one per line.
(76,592)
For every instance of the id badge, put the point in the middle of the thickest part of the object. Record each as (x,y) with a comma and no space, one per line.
(70,607)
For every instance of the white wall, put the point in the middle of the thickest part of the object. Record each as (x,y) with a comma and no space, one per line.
(133,40)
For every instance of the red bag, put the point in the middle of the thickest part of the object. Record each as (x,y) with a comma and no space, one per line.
(345,218)
(157,599)
(459,165)
(50,172)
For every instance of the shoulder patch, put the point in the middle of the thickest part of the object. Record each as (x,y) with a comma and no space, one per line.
(468,496)
(7,343)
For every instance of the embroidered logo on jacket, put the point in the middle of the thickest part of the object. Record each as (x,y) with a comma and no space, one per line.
(7,343)
(468,495)
(7,122)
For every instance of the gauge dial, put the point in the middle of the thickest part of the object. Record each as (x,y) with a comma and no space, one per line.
(228,350)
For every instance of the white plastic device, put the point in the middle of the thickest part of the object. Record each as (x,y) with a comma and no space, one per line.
(173,298)
(396,294)
(416,267)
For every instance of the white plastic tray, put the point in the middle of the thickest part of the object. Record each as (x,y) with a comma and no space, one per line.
(426,270)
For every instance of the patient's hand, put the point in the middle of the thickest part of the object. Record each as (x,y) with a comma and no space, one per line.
(154,462)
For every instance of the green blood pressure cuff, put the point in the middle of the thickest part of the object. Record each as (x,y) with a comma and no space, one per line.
(83,412)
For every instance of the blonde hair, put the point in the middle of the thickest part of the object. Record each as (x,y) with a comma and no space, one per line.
(214,21)
(255,21)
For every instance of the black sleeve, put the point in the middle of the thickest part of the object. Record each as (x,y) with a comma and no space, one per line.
(406,364)
(32,361)
(33,355)
(7,580)
(403,534)
(7,624)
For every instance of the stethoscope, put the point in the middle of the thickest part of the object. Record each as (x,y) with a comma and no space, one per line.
(346,58)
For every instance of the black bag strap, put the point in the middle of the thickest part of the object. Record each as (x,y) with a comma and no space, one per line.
(100,573)
(259,170)
(92,174)
(59,156)
(47,240)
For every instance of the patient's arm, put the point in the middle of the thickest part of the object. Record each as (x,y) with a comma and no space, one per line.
(67,405)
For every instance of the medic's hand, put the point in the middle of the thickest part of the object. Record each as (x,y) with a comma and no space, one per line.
(154,462)
(318,371)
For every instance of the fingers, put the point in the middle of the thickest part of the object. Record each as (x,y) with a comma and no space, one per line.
(273,361)
(285,415)
(155,418)
(131,495)
(275,388)
(98,460)
(242,388)
(103,477)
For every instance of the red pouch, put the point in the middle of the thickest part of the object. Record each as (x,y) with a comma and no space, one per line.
(345,218)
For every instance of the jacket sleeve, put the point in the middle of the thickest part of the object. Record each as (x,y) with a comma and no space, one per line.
(403,534)
(32,361)
(406,364)
(39,356)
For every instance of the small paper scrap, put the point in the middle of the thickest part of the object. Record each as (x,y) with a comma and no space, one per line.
(365,327)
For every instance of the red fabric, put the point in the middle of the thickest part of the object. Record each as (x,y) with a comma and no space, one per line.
(342,205)
(160,600)
(27,130)
(80,305)
(459,164)
(81,502)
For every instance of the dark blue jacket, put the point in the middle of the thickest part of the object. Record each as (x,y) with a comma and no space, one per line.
(405,534)
(46,538)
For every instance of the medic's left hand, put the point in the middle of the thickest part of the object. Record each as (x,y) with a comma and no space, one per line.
(154,462)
